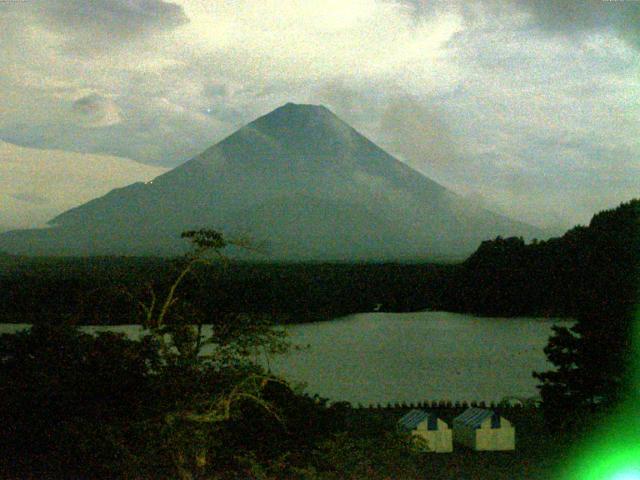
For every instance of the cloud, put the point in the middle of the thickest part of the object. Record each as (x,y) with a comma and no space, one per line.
(573,19)
(413,128)
(96,111)
(410,128)
(587,16)
(30,198)
(514,100)
(302,41)
(417,132)
(36,185)
(167,96)
(90,25)
(151,131)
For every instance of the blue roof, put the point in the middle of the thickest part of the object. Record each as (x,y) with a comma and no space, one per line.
(473,417)
(412,419)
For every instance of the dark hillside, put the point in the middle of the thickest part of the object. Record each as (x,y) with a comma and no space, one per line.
(589,270)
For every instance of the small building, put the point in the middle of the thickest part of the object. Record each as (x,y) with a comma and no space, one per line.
(435,433)
(481,429)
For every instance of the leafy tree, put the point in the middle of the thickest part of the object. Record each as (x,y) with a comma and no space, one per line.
(163,406)
(207,371)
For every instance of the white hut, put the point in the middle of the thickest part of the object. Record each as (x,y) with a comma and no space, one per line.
(435,433)
(481,429)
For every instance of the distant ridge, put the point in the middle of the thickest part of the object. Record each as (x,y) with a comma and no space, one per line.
(298,178)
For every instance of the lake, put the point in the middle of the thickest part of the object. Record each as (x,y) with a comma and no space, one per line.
(386,357)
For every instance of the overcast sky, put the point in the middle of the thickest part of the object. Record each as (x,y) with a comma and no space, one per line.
(530,106)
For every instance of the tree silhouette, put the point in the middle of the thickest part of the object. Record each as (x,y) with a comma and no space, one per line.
(593,359)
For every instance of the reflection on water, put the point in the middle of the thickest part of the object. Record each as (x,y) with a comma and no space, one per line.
(384,357)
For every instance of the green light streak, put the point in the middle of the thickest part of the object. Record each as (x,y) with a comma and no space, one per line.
(613,451)
(627,475)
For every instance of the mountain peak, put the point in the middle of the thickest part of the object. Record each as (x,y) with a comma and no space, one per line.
(306,107)
(301,119)
(293,112)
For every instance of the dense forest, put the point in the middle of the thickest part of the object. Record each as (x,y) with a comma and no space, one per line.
(559,277)
(589,269)
(100,290)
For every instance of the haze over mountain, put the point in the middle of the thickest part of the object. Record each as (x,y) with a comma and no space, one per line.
(37,184)
(298,178)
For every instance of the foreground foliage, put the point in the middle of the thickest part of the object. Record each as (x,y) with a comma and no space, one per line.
(186,400)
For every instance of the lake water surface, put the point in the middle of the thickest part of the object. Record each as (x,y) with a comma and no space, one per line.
(385,357)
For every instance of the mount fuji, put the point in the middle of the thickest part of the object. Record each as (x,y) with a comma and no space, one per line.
(299,179)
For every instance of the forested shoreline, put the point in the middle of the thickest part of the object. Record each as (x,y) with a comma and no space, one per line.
(100,290)
(589,270)
(504,277)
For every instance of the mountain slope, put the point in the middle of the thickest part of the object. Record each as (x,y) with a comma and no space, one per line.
(298,178)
